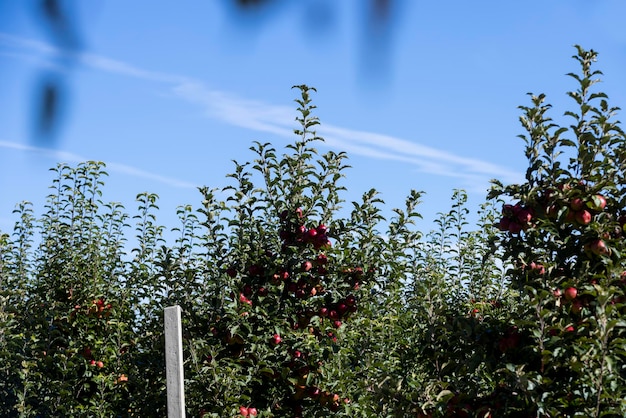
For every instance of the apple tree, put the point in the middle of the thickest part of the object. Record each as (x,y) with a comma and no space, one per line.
(564,242)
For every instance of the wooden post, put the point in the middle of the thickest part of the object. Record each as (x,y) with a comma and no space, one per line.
(174,363)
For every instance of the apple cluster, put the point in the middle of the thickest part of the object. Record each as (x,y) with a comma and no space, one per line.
(280,300)
(516,218)
(98,308)
(572,202)
(295,233)
(246,411)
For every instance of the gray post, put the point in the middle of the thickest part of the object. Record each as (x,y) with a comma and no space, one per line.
(174,363)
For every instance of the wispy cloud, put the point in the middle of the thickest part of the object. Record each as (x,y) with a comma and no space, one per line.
(69,157)
(278,120)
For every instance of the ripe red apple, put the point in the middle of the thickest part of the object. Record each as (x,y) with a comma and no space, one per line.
(314,392)
(536,267)
(598,247)
(570,216)
(247,290)
(577,204)
(556,293)
(570,293)
(341,308)
(570,328)
(515,228)
(253,412)
(583,217)
(597,203)
(524,216)
(100,364)
(275,340)
(323,312)
(350,300)
(231,271)
(244,299)
(577,306)
(307,266)
(244,411)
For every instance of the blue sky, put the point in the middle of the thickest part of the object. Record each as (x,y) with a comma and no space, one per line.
(168,94)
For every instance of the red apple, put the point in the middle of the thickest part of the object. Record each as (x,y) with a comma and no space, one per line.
(244,411)
(314,392)
(539,268)
(515,228)
(244,299)
(307,265)
(100,364)
(577,204)
(583,217)
(598,247)
(253,412)
(275,340)
(597,203)
(322,259)
(570,293)
(504,224)
(247,290)
(342,308)
(524,216)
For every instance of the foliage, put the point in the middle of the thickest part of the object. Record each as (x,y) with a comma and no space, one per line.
(296,306)
(564,242)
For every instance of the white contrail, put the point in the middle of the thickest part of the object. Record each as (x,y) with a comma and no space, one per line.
(69,157)
(278,120)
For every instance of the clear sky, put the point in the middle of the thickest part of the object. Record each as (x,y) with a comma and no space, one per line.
(168,93)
